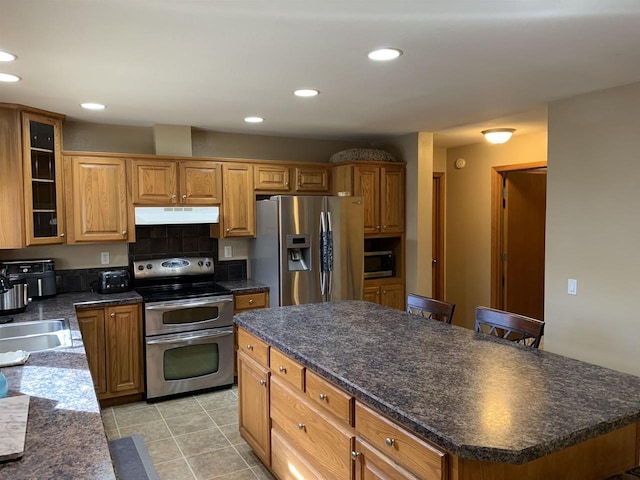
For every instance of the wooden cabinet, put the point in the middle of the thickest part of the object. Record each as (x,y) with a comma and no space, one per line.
(250,301)
(253,406)
(176,182)
(373,465)
(112,338)
(311,179)
(291,178)
(271,178)
(96,200)
(238,217)
(389,293)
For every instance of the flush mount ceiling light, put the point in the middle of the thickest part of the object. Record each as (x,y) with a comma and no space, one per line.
(498,135)
(7,56)
(253,119)
(93,106)
(9,78)
(384,54)
(306,92)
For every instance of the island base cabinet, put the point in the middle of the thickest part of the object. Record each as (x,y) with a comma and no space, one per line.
(253,406)
(372,465)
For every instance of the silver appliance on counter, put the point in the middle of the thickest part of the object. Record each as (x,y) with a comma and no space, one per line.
(187,324)
(40,276)
(309,249)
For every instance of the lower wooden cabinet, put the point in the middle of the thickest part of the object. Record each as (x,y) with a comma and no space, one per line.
(388,293)
(370,464)
(253,406)
(112,338)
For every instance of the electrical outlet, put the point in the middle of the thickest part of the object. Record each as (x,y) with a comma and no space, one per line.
(104,258)
(228,251)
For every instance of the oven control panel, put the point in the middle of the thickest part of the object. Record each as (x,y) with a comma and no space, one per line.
(173,267)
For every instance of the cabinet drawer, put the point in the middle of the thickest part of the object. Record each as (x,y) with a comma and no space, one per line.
(320,392)
(324,443)
(287,463)
(249,301)
(254,347)
(408,450)
(287,369)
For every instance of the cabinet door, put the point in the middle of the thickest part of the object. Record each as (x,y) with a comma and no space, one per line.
(392,199)
(123,331)
(200,183)
(11,180)
(271,178)
(91,324)
(373,465)
(239,205)
(42,160)
(366,184)
(312,179)
(99,209)
(392,295)
(372,294)
(253,406)
(154,182)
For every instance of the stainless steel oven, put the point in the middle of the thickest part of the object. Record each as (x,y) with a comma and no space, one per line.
(188,326)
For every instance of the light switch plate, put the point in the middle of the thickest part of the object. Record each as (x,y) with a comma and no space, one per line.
(572,286)
(104,258)
(228,251)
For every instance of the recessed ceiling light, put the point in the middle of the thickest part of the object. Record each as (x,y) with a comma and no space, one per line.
(306,92)
(382,54)
(7,57)
(8,77)
(253,119)
(93,106)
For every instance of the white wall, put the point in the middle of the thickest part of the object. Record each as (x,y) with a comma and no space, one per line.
(593,228)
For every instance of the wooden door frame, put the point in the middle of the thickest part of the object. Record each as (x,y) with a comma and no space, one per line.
(496,225)
(438,241)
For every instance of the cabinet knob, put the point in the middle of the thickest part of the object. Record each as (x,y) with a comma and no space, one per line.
(173,196)
(377,227)
(62,235)
(390,441)
(262,382)
(384,226)
(301,426)
(322,396)
(184,197)
(228,230)
(355,455)
(124,232)
(286,184)
(251,301)
(282,369)
(112,315)
(384,292)
(249,347)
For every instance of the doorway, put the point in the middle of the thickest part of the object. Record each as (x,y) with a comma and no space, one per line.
(518,238)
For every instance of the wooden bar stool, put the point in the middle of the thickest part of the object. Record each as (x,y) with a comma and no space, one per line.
(430,308)
(510,326)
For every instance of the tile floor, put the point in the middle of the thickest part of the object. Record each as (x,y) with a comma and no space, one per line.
(194,437)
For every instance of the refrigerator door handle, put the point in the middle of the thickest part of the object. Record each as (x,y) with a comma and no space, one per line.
(322,242)
(329,248)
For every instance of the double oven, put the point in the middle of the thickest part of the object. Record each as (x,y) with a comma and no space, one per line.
(187,325)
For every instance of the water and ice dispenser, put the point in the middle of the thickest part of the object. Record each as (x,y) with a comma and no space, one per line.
(298,252)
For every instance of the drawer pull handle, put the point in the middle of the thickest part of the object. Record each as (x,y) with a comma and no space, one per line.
(282,369)
(249,347)
(301,426)
(322,396)
(390,441)
(262,382)
(112,315)
(251,301)
(355,455)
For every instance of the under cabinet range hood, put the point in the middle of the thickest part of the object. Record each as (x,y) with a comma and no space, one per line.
(176,215)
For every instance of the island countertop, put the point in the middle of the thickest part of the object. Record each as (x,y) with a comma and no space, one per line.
(478,397)
(65,435)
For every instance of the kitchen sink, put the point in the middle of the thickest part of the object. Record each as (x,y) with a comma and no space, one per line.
(35,336)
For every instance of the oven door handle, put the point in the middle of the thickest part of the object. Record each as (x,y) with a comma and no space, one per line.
(176,305)
(222,333)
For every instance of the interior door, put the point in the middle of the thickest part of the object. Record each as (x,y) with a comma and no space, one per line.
(524,240)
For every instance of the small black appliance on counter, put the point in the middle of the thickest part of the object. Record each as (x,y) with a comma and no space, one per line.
(113,281)
(40,276)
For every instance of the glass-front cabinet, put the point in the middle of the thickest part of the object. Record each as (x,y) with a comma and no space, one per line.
(44,207)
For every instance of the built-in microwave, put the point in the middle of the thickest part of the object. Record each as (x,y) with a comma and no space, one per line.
(378,264)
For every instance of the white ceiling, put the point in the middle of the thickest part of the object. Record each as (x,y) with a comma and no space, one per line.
(467,65)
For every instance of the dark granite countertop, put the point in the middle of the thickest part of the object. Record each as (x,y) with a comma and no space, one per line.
(65,435)
(476,396)
(245,285)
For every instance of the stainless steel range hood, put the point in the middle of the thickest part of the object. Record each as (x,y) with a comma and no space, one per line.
(176,215)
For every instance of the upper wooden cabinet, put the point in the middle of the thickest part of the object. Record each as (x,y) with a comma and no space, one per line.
(176,182)
(382,188)
(96,195)
(274,178)
(238,216)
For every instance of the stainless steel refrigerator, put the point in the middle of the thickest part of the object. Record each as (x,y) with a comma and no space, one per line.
(309,249)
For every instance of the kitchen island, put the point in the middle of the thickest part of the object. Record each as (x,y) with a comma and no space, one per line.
(494,409)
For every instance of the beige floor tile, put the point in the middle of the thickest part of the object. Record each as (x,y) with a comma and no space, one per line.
(232,433)
(132,406)
(224,416)
(149,432)
(247,454)
(182,406)
(126,418)
(163,450)
(220,399)
(241,475)
(192,422)
(174,470)
(204,441)
(108,420)
(213,464)
(262,473)
(112,433)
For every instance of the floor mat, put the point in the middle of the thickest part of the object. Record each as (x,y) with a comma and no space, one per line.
(131,459)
